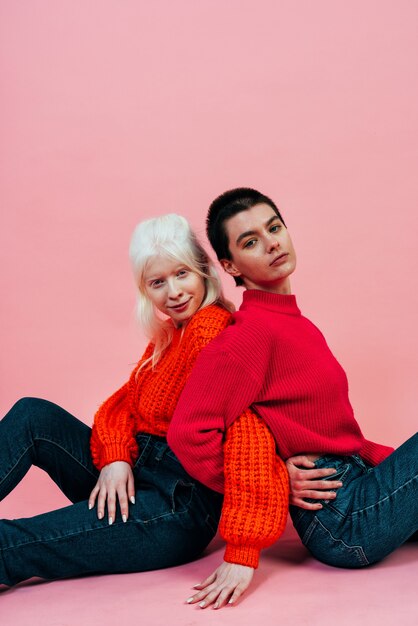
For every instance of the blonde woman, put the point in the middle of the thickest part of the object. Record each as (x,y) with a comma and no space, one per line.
(134,507)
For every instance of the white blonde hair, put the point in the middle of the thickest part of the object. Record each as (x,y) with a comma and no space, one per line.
(169,236)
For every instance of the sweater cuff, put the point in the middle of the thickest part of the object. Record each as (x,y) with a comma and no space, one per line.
(242,555)
(113,452)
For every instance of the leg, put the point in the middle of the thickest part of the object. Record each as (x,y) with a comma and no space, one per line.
(172,521)
(374,512)
(38,432)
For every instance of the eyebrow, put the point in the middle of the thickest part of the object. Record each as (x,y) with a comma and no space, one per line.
(253,232)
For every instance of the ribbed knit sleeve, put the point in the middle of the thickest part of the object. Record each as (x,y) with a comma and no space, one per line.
(218,390)
(113,433)
(114,427)
(256,499)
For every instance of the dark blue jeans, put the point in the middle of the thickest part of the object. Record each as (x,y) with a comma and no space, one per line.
(173,520)
(374,512)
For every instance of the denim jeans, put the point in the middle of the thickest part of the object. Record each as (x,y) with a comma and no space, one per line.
(172,521)
(374,512)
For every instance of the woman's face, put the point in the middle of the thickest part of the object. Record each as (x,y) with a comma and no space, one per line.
(262,252)
(174,289)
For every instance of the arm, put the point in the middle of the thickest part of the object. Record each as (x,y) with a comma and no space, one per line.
(114,428)
(114,450)
(113,432)
(254,512)
(218,390)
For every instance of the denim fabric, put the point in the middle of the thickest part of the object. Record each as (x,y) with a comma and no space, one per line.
(173,520)
(374,512)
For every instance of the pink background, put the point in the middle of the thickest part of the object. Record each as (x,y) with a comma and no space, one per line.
(114,111)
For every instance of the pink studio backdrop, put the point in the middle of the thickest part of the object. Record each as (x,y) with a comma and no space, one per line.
(113,111)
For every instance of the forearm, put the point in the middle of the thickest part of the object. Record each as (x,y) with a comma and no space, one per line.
(113,432)
(256,491)
(216,393)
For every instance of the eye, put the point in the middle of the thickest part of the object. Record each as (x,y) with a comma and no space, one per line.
(182,272)
(275,228)
(250,243)
(156,283)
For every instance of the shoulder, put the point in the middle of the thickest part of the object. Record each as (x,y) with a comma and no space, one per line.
(207,323)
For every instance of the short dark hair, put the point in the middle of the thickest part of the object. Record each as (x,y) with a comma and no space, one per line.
(226,206)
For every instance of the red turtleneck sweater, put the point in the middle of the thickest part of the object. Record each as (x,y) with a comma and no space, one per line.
(276,361)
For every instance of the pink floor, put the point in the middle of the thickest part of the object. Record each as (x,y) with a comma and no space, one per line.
(289,588)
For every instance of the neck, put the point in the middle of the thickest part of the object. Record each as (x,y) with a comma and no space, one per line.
(282,288)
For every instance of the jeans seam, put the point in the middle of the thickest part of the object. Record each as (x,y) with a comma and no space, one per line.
(88,530)
(8,472)
(61,447)
(388,497)
(362,557)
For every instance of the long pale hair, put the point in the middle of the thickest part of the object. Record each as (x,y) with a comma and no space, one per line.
(169,236)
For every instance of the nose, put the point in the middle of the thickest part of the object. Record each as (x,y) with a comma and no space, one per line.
(174,290)
(272,243)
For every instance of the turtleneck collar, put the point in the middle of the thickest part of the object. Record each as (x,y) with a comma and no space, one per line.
(274,301)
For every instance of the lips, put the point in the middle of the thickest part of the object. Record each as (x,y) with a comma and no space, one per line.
(180,307)
(280,259)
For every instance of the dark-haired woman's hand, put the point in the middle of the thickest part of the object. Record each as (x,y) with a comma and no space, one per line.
(116,482)
(307,483)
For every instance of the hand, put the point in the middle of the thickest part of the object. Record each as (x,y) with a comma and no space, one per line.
(115,479)
(227,583)
(304,483)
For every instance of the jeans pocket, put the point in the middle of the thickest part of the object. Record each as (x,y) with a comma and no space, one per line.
(181,496)
(330,550)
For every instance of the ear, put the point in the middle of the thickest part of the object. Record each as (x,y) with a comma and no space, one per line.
(229,267)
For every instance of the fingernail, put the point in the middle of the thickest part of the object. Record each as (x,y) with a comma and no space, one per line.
(110,521)
(230,601)
(124,518)
(189,600)
(216,606)
(100,515)
(202,605)
(132,499)
(90,506)
(340,484)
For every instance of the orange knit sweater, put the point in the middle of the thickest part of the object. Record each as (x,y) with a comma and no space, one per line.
(256,482)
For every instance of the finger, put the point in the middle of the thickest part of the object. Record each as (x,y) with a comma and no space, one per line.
(224,597)
(131,488)
(93,496)
(302,504)
(319,495)
(239,590)
(213,596)
(111,506)
(201,595)
(318,485)
(210,579)
(101,502)
(323,471)
(313,474)
(301,460)
(123,502)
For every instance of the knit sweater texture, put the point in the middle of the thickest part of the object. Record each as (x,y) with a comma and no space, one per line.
(276,361)
(256,481)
